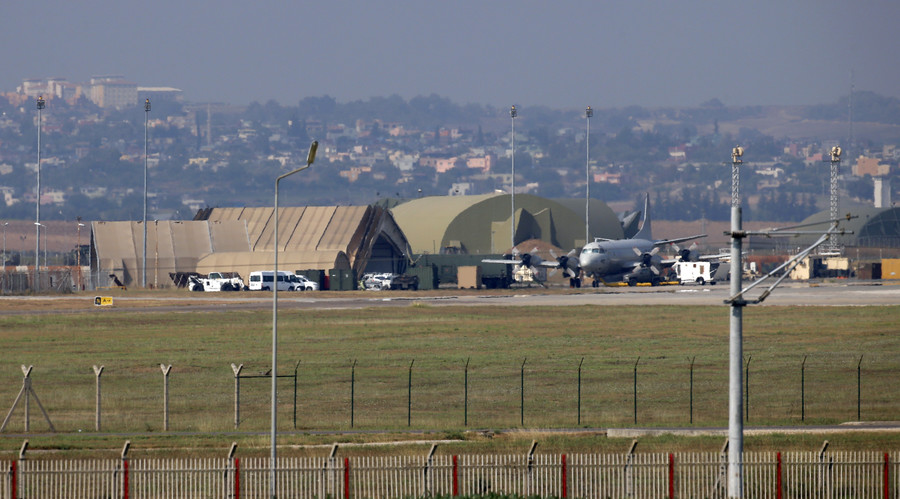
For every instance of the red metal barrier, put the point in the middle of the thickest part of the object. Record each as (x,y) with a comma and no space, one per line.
(237,478)
(778,486)
(565,481)
(125,478)
(12,470)
(346,478)
(671,476)
(455,477)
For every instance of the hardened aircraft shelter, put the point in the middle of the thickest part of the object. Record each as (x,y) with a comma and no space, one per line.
(481,224)
(241,240)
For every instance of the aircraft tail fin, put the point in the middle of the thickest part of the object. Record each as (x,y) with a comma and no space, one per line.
(646,231)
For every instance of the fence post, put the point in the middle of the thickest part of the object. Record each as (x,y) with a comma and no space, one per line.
(887,475)
(747,388)
(346,478)
(803,389)
(13,482)
(671,476)
(237,393)
(296,366)
(522,393)
(427,481)
(352,391)
(328,478)
(466,394)
(237,478)
(124,457)
(692,389)
(779,489)
(409,395)
(97,372)
(629,476)
(530,467)
(824,475)
(565,478)
(165,370)
(579,390)
(859,388)
(455,476)
(635,388)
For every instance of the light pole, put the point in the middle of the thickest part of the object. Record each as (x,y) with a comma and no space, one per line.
(835,166)
(146,126)
(78,257)
(5,224)
(512,192)
(587,177)
(310,157)
(736,347)
(37,219)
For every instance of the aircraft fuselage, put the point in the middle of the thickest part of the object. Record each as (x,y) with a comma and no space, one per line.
(610,260)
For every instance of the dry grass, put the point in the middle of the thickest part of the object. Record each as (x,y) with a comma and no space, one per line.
(495,340)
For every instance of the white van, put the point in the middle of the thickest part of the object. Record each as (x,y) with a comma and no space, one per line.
(261,280)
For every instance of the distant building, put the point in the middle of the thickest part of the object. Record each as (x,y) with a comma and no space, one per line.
(113,92)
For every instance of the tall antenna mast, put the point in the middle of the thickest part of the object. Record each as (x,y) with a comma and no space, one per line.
(850,105)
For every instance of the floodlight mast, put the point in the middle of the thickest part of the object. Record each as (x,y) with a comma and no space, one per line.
(835,166)
(311,156)
(588,113)
(513,113)
(735,375)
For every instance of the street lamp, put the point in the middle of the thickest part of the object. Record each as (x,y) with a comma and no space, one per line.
(310,157)
(144,261)
(37,220)
(78,257)
(512,230)
(587,177)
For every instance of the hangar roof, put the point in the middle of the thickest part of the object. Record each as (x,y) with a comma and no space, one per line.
(481,224)
(872,227)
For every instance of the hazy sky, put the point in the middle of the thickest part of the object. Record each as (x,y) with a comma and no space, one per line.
(561,54)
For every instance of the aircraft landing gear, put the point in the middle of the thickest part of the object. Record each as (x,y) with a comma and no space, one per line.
(595,284)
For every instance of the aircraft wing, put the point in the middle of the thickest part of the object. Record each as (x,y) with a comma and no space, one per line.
(543,263)
(663,242)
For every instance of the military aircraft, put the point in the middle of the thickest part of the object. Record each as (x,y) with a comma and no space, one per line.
(631,260)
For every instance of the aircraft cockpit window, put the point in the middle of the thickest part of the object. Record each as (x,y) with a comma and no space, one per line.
(596,250)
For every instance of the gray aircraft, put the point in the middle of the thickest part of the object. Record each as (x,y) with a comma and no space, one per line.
(630,260)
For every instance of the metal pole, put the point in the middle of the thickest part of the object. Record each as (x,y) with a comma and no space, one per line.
(803,389)
(37,220)
(146,127)
(165,370)
(296,366)
(587,177)
(747,389)
(859,388)
(522,394)
(409,395)
(635,388)
(512,192)
(352,390)
(579,388)
(692,390)
(97,372)
(735,398)
(466,395)
(274,430)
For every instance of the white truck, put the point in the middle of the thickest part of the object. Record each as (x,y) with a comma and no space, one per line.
(217,281)
(694,272)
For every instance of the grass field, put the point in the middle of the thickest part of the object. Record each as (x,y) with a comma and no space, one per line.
(499,344)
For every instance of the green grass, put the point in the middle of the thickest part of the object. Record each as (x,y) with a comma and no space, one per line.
(495,340)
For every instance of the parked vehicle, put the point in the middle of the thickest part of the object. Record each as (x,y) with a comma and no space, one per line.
(301,283)
(694,272)
(217,281)
(377,281)
(264,280)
